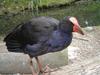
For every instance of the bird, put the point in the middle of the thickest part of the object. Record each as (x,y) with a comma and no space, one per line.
(41,35)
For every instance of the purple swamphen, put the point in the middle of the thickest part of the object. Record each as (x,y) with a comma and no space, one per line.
(42,35)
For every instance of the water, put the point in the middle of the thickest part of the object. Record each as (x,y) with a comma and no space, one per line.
(89,12)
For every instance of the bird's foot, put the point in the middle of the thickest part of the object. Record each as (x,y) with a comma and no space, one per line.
(41,72)
(44,71)
(47,70)
(34,73)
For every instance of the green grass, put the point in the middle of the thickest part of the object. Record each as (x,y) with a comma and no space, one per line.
(13,6)
(54,2)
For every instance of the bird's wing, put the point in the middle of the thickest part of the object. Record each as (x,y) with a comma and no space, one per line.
(39,29)
(12,32)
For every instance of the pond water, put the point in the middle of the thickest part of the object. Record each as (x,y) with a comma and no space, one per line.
(88,14)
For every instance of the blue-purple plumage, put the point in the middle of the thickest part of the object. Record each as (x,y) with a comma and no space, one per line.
(40,35)
(57,42)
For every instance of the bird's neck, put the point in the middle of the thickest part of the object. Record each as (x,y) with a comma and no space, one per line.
(66,26)
(67,37)
(66,33)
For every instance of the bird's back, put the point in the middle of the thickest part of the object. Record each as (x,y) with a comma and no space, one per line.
(31,32)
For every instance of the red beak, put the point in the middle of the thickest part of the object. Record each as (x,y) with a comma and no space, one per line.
(80,30)
(76,27)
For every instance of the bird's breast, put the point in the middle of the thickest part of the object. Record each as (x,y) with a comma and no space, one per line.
(58,42)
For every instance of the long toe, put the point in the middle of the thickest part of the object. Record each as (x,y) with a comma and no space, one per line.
(47,70)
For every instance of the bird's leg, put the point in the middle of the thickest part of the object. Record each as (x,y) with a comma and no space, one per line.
(47,69)
(39,65)
(32,68)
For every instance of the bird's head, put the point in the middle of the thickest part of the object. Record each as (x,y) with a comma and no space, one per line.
(76,26)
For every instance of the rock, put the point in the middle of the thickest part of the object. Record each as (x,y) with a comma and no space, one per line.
(89,28)
(19,63)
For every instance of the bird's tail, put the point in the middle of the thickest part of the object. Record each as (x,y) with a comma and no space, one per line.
(12,31)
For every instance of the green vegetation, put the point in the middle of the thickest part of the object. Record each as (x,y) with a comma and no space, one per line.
(54,2)
(84,12)
(12,6)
